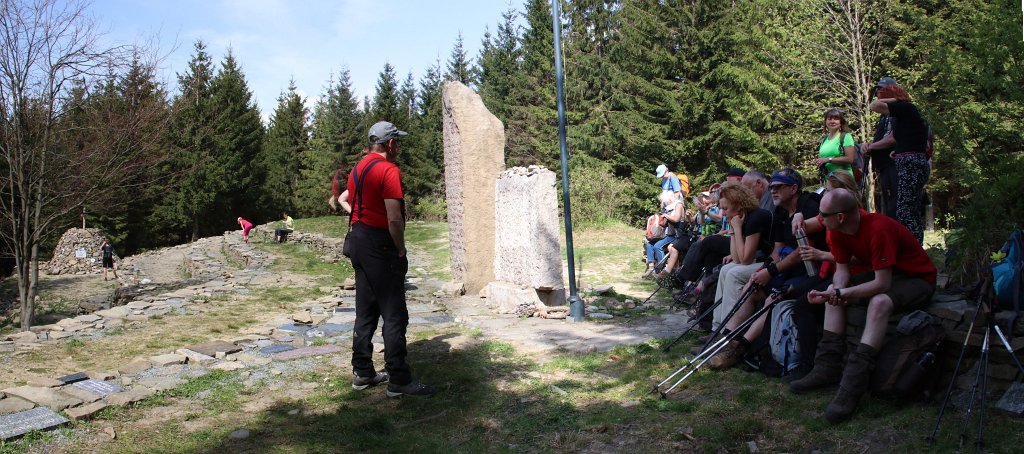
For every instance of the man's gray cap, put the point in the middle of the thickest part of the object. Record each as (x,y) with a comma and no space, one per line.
(885,82)
(383,131)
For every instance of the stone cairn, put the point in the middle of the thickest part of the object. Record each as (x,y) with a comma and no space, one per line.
(77,252)
(527,258)
(474,155)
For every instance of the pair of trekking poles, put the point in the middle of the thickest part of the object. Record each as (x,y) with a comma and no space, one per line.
(713,345)
(986,295)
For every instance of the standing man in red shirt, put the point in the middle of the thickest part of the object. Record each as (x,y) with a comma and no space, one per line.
(902,279)
(379,258)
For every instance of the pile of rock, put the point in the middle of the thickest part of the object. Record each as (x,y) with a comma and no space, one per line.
(77,252)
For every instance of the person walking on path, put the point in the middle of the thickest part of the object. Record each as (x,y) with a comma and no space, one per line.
(379,259)
(246,227)
(108,259)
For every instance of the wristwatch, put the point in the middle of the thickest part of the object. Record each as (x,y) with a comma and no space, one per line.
(829,159)
(838,294)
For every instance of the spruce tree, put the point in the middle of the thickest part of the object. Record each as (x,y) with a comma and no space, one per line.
(460,69)
(385,100)
(531,133)
(238,136)
(337,137)
(194,180)
(280,160)
(499,64)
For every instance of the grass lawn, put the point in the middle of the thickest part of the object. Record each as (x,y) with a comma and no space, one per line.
(493,399)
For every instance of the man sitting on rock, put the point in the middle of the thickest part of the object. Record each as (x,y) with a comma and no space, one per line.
(903,278)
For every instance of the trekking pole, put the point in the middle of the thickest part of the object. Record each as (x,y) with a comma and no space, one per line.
(974,390)
(694,360)
(720,345)
(959,362)
(735,308)
(693,324)
(980,441)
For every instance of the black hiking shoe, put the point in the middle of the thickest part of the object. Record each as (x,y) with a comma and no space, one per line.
(361,383)
(412,389)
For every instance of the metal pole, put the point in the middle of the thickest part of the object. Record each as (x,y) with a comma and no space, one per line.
(575,303)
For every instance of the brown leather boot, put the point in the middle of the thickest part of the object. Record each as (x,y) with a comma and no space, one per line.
(730,355)
(696,349)
(854,384)
(828,364)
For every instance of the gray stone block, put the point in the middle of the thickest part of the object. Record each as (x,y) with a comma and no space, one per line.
(474,155)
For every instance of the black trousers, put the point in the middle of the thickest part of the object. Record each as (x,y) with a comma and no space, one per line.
(380,293)
(887,185)
(703,256)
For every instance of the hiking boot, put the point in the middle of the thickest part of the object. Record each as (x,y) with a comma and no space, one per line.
(854,384)
(412,389)
(649,274)
(730,355)
(361,383)
(828,364)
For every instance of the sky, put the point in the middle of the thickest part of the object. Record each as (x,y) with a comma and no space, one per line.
(275,41)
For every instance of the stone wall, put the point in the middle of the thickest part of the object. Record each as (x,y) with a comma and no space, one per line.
(73,243)
(474,144)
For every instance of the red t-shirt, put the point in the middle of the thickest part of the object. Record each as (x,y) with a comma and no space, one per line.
(884,243)
(383,181)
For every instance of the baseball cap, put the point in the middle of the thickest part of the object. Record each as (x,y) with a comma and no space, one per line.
(383,131)
(885,82)
(735,172)
(660,171)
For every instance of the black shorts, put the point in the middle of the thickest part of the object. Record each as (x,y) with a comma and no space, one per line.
(108,262)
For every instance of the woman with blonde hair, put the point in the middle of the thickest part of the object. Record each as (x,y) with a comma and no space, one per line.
(750,242)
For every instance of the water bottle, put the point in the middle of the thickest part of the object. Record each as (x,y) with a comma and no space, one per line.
(801,239)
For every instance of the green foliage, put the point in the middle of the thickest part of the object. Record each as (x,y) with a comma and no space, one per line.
(280,159)
(597,194)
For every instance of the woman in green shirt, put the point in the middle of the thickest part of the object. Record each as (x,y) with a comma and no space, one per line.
(831,155)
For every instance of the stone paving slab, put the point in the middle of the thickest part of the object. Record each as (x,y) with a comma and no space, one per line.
(129,397)
(308,351)
(276,349)
(86,411)
(47,397)
(13,404)
(212,348)
(21,423)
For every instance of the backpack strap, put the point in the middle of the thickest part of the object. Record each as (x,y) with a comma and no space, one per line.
(358,196)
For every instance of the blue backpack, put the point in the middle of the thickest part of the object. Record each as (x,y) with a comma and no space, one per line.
(784,343)
(1008,273)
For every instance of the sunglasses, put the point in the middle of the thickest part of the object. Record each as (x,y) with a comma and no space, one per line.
(825,214)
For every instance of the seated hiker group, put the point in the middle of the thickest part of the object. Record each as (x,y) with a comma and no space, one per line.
(756,240)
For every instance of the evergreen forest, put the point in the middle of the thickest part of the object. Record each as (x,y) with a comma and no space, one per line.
(699,85)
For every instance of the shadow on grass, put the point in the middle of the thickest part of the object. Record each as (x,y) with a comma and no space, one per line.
(476,409)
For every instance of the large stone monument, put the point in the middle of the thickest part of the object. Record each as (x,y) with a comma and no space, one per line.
(527,257)
(474,155)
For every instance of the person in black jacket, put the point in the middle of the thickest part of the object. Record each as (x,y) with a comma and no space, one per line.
(881,163)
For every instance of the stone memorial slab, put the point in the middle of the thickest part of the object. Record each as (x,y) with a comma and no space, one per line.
(39,418)
(331,328)
(276,349)
(297,329)
(98,387)
(308,351)
(68,379)
(211,348)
